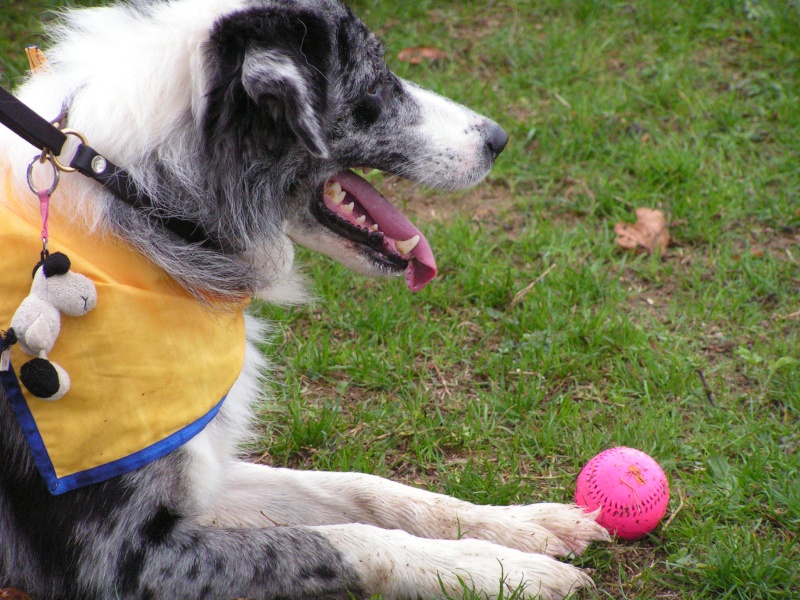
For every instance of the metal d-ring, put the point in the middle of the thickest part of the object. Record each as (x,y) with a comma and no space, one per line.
(56,163)
(56,174)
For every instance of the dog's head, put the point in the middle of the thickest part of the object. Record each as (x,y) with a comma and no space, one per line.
(277,102)
(306,87)
(71,293)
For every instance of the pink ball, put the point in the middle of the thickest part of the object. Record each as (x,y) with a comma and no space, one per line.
(629,486)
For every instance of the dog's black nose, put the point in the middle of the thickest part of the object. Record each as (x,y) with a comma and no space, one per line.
(496,139)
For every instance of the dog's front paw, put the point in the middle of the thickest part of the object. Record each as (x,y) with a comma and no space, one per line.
(574,528)
(552,529)
(512,573)
(400,566)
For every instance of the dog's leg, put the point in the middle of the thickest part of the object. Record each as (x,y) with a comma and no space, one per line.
(255,495)
(176,558)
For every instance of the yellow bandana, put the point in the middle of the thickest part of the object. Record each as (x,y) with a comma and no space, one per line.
(149,365)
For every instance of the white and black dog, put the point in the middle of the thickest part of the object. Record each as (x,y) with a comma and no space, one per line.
(245,117)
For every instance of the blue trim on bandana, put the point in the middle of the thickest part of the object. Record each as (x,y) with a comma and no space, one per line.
(56,486)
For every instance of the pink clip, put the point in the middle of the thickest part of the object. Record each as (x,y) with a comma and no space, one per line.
(44,208)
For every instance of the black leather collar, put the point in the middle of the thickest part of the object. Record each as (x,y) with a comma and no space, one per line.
(46,137)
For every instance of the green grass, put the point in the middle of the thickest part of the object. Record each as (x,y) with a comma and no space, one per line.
(691,107)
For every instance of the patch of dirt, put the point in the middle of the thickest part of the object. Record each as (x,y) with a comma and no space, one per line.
(782,241)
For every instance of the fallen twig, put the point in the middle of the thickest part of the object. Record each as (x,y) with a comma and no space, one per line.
(675,512)
(709,393)
(442,379)
(523,292)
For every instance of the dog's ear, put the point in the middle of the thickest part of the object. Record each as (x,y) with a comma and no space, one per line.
(55,264)
(278,58)
(278,83)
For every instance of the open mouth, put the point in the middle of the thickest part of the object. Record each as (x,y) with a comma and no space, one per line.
(352,208)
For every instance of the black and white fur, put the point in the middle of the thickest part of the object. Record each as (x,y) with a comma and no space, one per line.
(234,113)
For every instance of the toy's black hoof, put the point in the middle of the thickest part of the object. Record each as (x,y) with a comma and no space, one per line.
(41,378)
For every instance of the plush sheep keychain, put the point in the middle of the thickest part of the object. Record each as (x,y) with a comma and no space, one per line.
(37,322)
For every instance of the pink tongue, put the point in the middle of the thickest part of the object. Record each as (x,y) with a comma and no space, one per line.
(393,223)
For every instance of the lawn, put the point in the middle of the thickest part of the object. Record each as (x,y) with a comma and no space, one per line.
(691,354)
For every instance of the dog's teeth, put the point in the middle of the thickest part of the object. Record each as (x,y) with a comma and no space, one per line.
(360,220)
(338,197)
(374,227)
(348,208)
(335,188)
(406,246)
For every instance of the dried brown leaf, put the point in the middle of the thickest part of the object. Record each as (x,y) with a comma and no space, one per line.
(417,55)
(648,233)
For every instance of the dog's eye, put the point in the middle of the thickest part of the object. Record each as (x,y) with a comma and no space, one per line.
(369,108)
